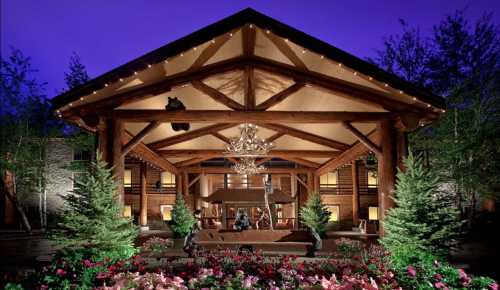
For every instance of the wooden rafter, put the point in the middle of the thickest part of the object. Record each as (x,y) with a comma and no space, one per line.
(139,137)
(304,183)
(217,170)
(213,153)
(190,161)
(249,87)
(306,136)
(146,154)
(210,51)
(248,40)
(279,97)
(232,159)
(262,160)
(302,161)
(221,137)
(192,182)
(362,138)
(189,135)
(347,156)
(286,50)
(217,95)
(275,137)
(236,117)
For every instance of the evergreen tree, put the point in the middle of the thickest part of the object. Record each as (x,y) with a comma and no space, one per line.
(314,214)
(423,217)
(77,74)
(93,218)
(182,218)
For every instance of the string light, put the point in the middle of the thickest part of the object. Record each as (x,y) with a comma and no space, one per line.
(251,25)
(121,80)
(231,34)
(370,78)
(135,73)
(182,54)
(400,92)
(355,73)
(149,65)
(94,92)
(414,98)
(106,85)
(268,31)
(428,105)
(81,99)
(386,85)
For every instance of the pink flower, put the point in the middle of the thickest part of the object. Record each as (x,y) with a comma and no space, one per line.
(463,277)
(439,285)
(411,271)
(60,272)
(493,286)
(87,263)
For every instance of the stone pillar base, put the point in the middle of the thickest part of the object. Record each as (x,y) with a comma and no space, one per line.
(144,228)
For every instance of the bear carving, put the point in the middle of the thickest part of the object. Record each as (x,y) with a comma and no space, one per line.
(175,104)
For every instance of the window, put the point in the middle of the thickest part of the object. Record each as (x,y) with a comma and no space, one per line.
(373,213)
(78,177)
(166,212)
(127,178)
(329,180)
(81,155)
(127,211)
(334,213)
(167,179)
(372,179)
(279,212)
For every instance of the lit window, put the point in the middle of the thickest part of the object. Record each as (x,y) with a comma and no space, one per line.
(329,180)
(127,178)
(127,211)
(334,213)
(373,213)
(166,212)
(279,212)
(372,179)
(81,155)
(167,179)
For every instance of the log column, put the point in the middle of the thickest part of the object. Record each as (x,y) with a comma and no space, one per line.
(355,193)
(143,218)
(118,161)
(386,169)
(402,147)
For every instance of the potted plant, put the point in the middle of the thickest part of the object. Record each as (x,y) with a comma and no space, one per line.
(182,221)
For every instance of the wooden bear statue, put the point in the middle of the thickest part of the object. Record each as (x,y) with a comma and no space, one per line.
(175,105)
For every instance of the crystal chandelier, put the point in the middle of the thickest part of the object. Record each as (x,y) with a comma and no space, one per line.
(247,166)
(248,144)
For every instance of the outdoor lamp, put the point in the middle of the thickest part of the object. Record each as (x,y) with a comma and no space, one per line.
(373,213)
(127,211)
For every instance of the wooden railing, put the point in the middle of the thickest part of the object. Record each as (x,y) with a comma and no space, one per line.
(347,190)
(135,188)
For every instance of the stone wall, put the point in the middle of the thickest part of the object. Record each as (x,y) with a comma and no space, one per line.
(59,178)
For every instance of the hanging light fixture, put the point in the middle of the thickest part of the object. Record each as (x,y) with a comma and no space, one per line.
(248,144)
(247,166)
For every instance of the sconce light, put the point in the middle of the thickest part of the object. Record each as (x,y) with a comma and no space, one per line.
(373,213)
(127,211)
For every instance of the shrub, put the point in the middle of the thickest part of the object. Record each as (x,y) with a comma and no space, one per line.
(314,214)
(423,217)
(182,218)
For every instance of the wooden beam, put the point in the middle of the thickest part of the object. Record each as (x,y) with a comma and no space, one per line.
(362,138)
(189,135)
(143,201)
(145,153)
(139,137)
(262,160)
(210,51)
(191,161)
(226,116)
(217,95)
(286,50)
(306,136)
(151,90)
(279,97)
(347,156)
(232,159)
(306,185)
(248,40)
(249,87)
(118,161)
(221,137)
(192,153)
(220,170)
(386,170)
(355,193)
(192,182)
(301,161)
(345,88)
(274,137)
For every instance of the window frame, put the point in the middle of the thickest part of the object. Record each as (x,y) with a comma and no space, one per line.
(168,206)
(125,184)
(328,206)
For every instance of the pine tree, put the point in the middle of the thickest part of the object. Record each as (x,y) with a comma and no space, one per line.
(182,218)
(314,214)
(77,74)
(423,217)
(93,218)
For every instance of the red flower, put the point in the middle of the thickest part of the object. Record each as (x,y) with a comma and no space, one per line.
(411,271)
(87,263)
(60,272)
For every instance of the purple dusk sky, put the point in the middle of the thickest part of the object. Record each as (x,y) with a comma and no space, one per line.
(107,34)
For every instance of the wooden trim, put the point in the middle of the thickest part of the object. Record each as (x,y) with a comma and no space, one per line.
(139,137)
(306,136)
(279,97)
(145,153)
(347,156)
(362,138)
(226,116)
(217,95)
(191,161)
(210,51)
(275,137)
(286,50)
(189,135)
(249,87)
(213,153)
(248,40)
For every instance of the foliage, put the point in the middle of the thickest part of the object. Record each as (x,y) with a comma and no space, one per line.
(423,216)
(157,245)
(416,269)
(460,61)
(12,286)
(182,218)
(314,214)
(77,74)
(92,218)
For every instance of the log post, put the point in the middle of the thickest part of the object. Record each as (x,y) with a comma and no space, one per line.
(355,193)
(103,140)
(386,169)
(143,217)
(118,161)
(402,148)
